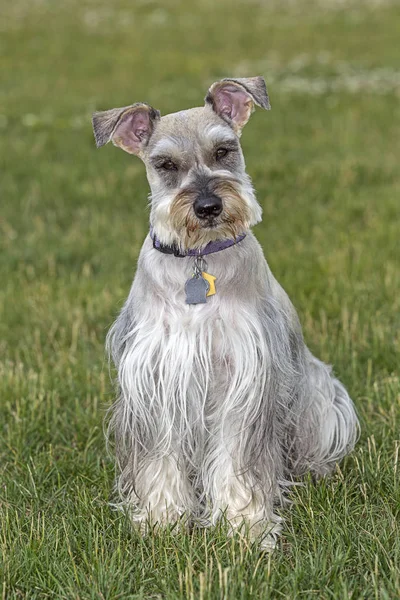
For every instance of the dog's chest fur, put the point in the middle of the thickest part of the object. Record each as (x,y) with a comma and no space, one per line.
(209,356)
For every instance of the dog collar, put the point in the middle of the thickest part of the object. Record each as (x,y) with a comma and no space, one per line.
(210,248)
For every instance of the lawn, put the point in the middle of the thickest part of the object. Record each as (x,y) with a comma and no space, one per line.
(325,163)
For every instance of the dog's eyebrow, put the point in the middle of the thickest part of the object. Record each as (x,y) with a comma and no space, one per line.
(220,134)
(164,146)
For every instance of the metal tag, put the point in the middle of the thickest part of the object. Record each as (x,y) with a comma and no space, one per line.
(196,290)
(211,280)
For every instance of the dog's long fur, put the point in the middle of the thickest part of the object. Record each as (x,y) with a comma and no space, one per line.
(221,404)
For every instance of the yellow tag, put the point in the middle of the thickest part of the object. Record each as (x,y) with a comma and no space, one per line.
(211,280)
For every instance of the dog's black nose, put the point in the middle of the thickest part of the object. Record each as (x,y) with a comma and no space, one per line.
(207,206)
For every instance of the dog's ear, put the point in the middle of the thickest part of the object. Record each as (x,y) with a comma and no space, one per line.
(234,99)
(129,127)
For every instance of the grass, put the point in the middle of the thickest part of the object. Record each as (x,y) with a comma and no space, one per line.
(325,164)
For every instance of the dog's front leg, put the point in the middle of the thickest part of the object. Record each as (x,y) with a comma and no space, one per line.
(235,494)
(153,490)
(153,483)
(163,493)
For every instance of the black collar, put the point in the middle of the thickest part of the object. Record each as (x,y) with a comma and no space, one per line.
(209,248)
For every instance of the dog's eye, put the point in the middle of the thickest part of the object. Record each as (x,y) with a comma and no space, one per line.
(168,165)
(221,152)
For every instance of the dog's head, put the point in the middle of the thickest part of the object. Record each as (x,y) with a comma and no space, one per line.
(195,167)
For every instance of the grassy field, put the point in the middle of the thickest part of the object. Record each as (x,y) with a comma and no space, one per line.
(72,220)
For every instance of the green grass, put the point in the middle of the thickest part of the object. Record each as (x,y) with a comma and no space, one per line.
(72,220)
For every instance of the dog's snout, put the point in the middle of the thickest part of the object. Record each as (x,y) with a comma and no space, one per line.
(208,205)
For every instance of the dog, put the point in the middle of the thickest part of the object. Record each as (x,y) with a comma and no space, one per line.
(221,406)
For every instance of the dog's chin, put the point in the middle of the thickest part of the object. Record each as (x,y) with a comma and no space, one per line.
(210,224)
(199,233)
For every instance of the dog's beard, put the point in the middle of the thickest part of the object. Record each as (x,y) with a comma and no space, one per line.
(192,232)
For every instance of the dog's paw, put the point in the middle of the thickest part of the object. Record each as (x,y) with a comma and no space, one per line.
(265,534)
(150,518)
(261,531)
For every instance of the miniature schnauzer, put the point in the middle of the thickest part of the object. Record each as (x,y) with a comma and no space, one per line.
(221,404)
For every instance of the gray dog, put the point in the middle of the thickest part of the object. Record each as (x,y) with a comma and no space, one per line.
(221,404)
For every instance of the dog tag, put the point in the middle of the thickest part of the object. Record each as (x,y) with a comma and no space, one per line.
(211,280)
(196,290)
